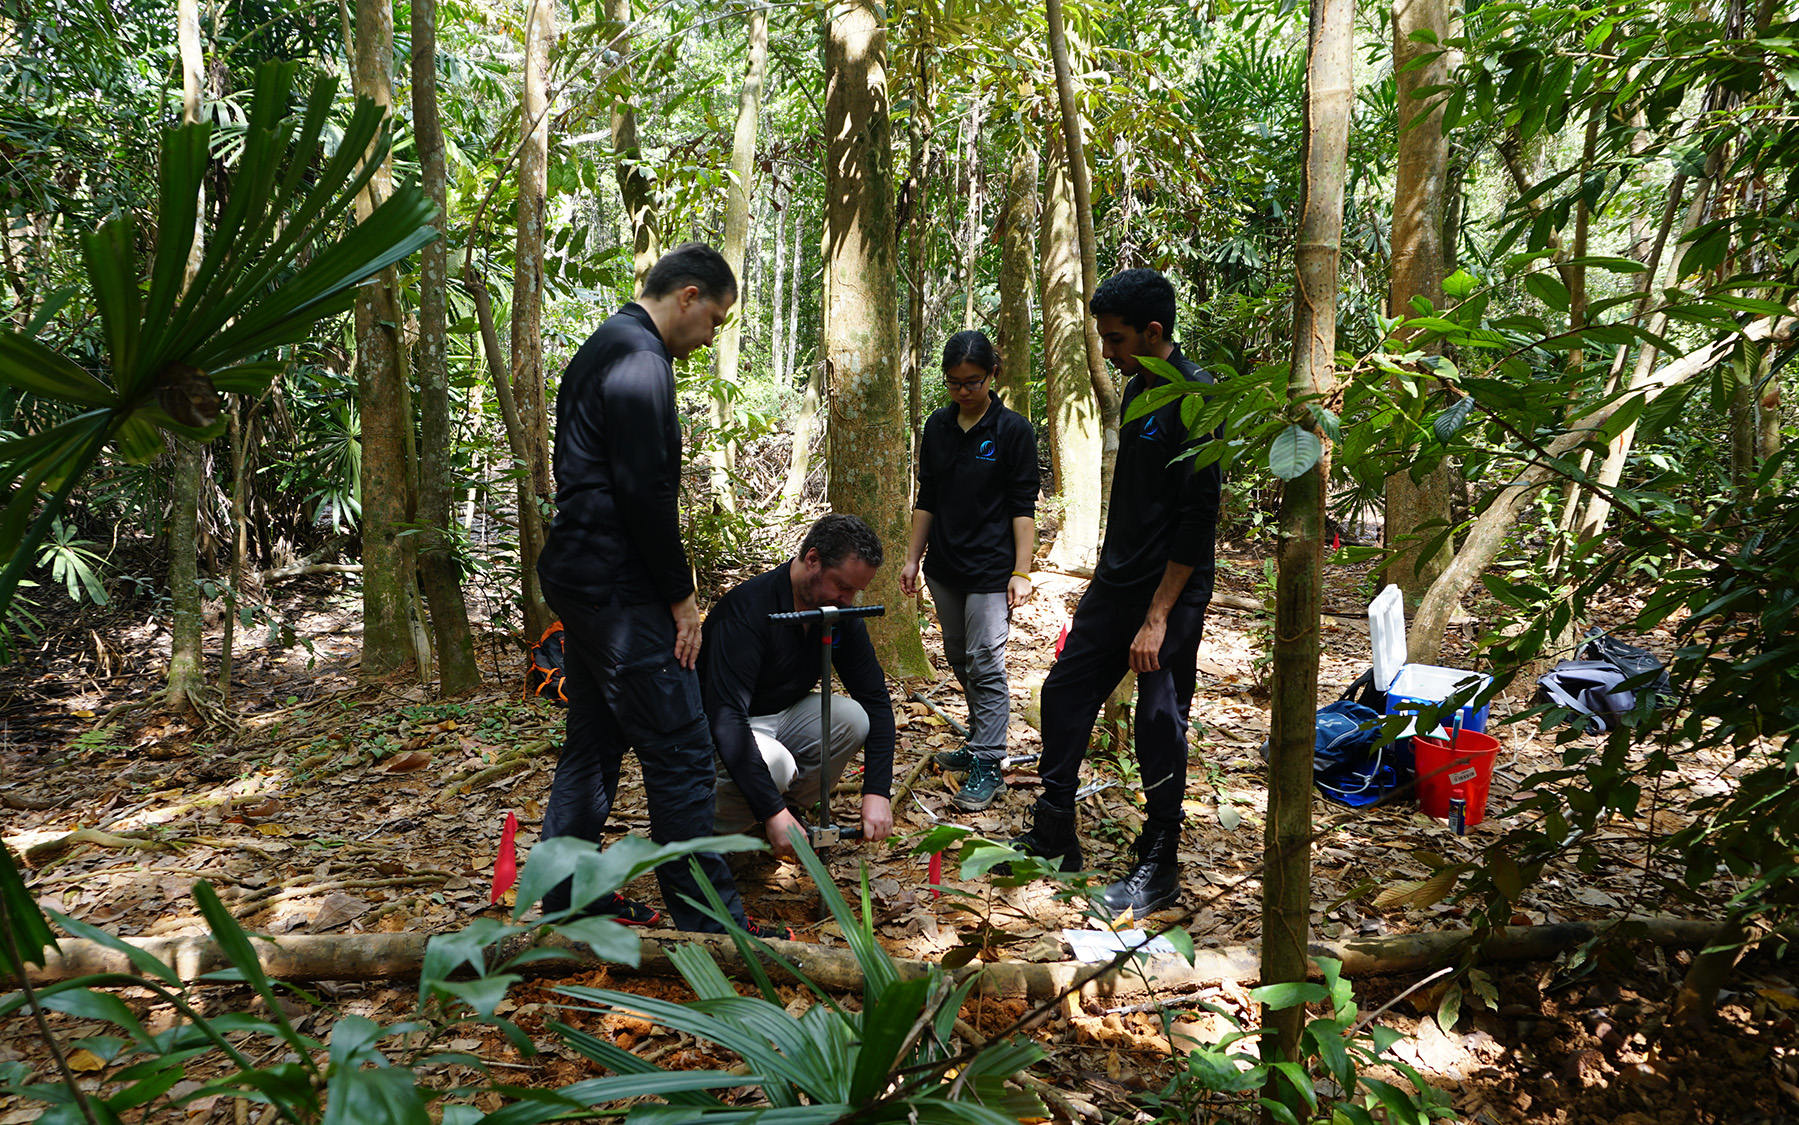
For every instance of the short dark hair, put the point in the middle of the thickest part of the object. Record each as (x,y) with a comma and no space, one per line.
(696,264)
(970,346)
(1137,297)
(838,536)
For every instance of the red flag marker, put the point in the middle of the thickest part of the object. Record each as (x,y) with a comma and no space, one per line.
(1061,640)
(936,874)
(505,865)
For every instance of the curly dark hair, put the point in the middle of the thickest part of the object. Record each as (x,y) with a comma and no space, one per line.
(1137,297)
(840,536)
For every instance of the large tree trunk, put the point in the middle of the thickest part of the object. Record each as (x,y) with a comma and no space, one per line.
(1287,862)
(737,230)
(187,641)
(1020,228)
(528,390)
(1075,437)
(1074,152)
(870,464)
(917,232)
(388,584)
(971,210)
(635,182)
(1421,171)
(439,572)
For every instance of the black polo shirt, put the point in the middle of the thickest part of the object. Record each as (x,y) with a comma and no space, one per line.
(1162,510)
(752,666)
(975,483)
(618,470)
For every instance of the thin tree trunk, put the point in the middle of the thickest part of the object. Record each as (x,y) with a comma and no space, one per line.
(917,231)
(239,544)
(737,224)
(1420,174)
(187,654)
(1076,441)
(1075,155)
(972,208)
(799,457)
(776,346)
(439,571)
(634,181)
(795,271)
(1020,223)
(388,583)
(1287,863)
(870,464)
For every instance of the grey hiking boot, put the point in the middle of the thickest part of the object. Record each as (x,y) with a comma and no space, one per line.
(982,786)
(959,760)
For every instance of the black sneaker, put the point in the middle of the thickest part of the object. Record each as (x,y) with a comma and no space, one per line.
(959,760)
(768,930)
(981,787)
(621,909)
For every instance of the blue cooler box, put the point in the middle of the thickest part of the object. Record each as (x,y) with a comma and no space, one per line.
(1411,687)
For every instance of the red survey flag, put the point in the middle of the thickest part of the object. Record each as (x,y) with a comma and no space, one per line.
(505,865)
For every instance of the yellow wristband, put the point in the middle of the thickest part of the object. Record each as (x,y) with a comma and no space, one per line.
(1021,574)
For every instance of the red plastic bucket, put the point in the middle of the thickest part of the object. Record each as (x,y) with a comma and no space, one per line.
(1469,767)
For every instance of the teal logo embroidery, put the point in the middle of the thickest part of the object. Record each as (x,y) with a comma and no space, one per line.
(1152,428)
(985,452)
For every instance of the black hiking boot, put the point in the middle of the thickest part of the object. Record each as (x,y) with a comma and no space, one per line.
(1155,881)
(1050,836)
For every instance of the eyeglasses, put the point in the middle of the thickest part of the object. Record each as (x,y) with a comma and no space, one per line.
(965,384)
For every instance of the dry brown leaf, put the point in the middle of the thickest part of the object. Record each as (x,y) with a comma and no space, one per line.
(412,760)
(337,910)
(83,1060)
(262,809)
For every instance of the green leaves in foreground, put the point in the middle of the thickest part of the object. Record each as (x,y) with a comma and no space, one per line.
(172,346)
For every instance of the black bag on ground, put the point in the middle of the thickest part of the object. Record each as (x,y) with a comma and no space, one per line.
(1630,660)
(1594,684)
(545,677)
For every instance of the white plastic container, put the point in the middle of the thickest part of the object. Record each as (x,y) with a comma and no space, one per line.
(1410,687)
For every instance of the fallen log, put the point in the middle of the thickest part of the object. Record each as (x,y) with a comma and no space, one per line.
(362,957)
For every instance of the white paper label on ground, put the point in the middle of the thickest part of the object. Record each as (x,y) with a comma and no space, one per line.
(1096,946)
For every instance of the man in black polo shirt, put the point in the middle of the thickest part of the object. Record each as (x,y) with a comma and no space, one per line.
(614,570)
(760,681)
(1143,611)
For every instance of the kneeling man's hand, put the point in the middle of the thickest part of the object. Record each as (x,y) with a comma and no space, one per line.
(779,841)
(877,817)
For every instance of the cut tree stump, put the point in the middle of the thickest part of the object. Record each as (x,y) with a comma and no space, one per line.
(361,957)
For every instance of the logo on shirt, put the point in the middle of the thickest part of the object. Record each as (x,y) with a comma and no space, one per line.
(1152,428)
(985,452)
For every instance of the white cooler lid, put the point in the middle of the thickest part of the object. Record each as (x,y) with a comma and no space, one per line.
(1386,633)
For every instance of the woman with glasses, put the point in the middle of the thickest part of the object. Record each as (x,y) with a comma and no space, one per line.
(974,527)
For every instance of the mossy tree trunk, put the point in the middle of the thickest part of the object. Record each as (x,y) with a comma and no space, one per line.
(1287,840)
(1019,220)
(388,582)
(1076,441)
(439,571)
(528,393)
(869,459)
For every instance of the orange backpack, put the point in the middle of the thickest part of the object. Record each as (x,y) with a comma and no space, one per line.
(545,677)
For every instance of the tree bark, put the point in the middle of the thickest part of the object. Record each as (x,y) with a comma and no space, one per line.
(1020,225)
(527,374)
(439,571)
(917,232)
(1418,508)
(1076,444)
(388,582)
(1074,151)
(1287,850)
(799,456)
(869,461)
(971,211)
(737,228)
(776,344)
(636,181)
(187,652)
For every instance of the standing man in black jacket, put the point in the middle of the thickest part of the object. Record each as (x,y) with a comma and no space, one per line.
(615,571)
(760,680)
(1143,611)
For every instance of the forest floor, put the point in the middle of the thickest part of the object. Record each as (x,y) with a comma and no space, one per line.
(340,805)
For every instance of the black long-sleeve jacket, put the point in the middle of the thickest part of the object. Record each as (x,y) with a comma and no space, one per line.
(752,666)
(618,470)
(1162,509)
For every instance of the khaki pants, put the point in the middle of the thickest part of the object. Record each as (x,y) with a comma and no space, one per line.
(790,745)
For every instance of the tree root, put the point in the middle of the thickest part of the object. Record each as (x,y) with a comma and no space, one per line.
(508,763)
(50,852)
(306,887)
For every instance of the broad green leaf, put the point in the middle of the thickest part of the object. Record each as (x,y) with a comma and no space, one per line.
(1289,994)
(1450,422)
(1294,451)
(1548,289)
(1449,1009)
(29,366)
(382,1096)
(30,933)
(1460,284)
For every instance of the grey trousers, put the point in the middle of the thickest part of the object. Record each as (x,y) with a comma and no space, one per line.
(790,743)
(975,627)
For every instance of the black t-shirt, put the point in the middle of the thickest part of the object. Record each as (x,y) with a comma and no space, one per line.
(618,470)
(752,666)
(975,483)
(1162,509)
